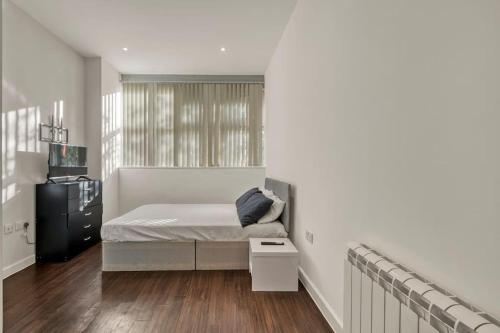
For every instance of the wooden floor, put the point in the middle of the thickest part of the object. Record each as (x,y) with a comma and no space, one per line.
(77,297)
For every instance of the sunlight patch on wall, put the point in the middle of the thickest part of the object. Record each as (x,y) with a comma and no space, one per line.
(19,134)
(10,89)
(111,133)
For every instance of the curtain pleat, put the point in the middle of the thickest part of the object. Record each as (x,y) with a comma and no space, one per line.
(192,124)
(135,107)
(163,126)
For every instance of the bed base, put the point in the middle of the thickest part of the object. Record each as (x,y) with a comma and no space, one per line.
(164,256)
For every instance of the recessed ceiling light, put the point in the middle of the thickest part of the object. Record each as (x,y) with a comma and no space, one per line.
(223,49)
(125,49)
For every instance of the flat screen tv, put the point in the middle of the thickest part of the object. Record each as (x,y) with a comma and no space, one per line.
(67,160)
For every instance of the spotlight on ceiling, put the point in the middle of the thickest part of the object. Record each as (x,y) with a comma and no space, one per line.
(223,49)
(125,49)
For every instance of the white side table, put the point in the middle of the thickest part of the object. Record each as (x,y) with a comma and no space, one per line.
(273,267)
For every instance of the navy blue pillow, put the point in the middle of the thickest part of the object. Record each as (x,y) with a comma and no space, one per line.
(244,197)
(254,208)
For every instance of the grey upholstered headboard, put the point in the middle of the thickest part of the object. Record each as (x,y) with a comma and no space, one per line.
(282,190)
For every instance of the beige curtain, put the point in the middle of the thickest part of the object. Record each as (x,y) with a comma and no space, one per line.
(192,124)
(135,124)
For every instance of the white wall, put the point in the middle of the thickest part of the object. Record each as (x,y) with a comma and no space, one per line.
(384,115)
(140,186)
(39,70)
(103,129)
(93,115)
(111,90)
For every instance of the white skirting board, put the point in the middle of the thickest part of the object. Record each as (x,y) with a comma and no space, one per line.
(330,316)
(18,266)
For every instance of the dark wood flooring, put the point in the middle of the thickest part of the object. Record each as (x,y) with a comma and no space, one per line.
(77,297)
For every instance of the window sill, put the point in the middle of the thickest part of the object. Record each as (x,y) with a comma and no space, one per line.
(188,168)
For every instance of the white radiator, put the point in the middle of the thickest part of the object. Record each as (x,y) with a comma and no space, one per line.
(381,296)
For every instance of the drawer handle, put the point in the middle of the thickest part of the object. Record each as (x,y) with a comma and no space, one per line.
(87,214)
(87,238)
(87,226)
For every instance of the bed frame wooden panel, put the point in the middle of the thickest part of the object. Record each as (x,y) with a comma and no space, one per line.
(148,256)
(221,255)
(158,256)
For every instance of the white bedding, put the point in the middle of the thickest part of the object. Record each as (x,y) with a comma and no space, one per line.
(181,222)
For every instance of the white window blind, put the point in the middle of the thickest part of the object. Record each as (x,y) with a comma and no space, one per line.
(192,124)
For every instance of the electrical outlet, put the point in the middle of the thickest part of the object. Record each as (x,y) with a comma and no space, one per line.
(309,236)
(19,226)
(8,228)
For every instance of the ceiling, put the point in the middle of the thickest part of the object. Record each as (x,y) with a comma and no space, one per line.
(169,36)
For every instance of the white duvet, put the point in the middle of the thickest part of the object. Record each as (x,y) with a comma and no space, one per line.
(179,222)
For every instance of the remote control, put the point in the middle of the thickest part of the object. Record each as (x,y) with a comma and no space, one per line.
(272,243)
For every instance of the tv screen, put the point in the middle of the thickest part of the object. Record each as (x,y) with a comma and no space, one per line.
(67,160)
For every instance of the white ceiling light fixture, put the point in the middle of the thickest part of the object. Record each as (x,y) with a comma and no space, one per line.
(125,49)
(223,49)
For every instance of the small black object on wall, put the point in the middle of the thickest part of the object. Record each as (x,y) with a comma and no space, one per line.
(68,218)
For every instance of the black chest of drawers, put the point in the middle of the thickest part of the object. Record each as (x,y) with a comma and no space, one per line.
(68,218)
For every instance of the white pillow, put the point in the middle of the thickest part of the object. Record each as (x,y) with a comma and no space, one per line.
(266,192)
(275,210)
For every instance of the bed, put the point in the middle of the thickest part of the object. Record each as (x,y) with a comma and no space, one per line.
(186,236)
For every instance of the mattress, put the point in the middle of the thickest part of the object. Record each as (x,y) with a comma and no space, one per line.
(182,222)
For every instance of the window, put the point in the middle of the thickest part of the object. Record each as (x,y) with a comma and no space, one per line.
(192,124)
